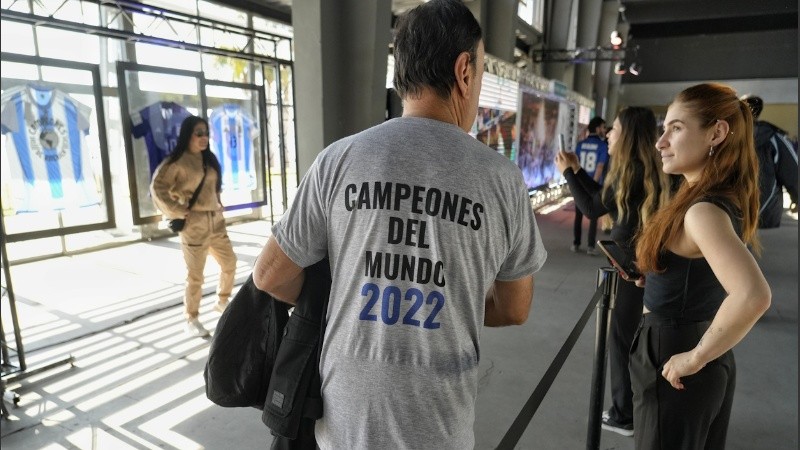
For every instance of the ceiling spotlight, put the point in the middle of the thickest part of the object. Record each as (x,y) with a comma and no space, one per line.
(620,68)
(635,69)
(616,39)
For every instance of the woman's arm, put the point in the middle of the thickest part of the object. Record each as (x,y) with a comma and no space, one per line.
(709,229)
(162,189)
(586,192)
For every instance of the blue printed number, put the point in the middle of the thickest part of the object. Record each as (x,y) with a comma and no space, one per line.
(418,297)
(389,293)
(365,290)
(439,299)
(391,302)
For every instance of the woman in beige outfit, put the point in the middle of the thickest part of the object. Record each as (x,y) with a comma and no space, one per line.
(174,182)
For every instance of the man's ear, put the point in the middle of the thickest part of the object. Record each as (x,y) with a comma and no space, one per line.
(465,76)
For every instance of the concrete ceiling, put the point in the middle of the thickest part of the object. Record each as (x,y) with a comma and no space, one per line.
(685,40)
(677,40)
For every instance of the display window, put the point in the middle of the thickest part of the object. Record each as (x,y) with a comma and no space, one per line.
(235,127)
(55,177)
(155,102)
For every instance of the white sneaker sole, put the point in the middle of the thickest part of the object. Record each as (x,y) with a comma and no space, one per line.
(617,430)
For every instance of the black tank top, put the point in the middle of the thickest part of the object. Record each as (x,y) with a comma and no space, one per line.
(688,288)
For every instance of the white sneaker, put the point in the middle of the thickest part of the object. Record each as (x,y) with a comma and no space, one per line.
(220,307)
(194,328)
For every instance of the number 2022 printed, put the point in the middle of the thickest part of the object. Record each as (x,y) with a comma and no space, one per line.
(391,300)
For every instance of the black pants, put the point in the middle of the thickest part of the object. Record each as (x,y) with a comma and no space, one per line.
(624,320)
(577,229)
(665,418)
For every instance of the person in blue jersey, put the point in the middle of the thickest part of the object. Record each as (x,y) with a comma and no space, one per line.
(190,166)
(703,289)
(423,254)
(593,156)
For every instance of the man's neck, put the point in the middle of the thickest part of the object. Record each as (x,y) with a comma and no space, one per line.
(430,106)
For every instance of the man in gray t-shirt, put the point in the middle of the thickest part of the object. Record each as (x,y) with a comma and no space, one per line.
(430,236)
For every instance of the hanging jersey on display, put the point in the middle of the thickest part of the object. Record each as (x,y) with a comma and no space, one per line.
(46,149)
(232,133)
(159,124)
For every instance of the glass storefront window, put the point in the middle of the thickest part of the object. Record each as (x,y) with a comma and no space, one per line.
(156,55)
(53,156)
(68,45)
(235,127)
(17,38)
(81,12)
(157,103)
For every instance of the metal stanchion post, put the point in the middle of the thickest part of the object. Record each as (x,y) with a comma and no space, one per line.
(606,303)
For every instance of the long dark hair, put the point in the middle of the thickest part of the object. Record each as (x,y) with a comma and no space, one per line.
(185,135)
(636,142)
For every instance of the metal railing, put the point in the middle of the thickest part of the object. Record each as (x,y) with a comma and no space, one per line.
(603,300)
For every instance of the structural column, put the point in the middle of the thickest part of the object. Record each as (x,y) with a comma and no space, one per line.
(604,70)
(341,50)
(557,31)
(588,24)
(498,30)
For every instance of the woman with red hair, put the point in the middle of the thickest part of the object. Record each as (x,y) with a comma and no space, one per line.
(703,288)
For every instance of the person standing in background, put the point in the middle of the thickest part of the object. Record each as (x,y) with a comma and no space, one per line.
(777,167)
(635,188)
(191,165)
(593,156)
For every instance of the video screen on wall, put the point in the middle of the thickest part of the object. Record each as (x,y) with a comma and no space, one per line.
(540,123)
(497,128)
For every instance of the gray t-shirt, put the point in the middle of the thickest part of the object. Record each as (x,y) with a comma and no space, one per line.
(418,219)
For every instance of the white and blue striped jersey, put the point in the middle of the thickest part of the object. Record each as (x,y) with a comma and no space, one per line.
(232,132)
(46,149)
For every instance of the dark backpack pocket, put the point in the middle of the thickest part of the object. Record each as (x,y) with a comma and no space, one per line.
(295,365)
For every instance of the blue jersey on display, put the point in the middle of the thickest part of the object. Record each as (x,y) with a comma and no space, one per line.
(46,149)
(591,152)
(159,124)
(232,133)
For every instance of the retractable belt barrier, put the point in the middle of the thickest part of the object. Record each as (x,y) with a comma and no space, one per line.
(602,298)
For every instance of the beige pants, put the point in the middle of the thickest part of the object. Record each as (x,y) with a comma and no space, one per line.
(205,232)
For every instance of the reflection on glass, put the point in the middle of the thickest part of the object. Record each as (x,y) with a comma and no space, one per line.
(156,55)
(18,70)
(290,153)
(68,45)
(65,75)
(226,68)
(235,139)
(287,94)
(17,38)
(158,105)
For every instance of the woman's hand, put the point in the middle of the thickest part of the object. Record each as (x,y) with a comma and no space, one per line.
(680,365)
(567,159)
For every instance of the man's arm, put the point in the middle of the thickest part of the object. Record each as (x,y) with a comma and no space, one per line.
(277,275)
(509,302)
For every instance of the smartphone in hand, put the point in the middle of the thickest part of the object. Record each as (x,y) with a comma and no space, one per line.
(562,146)
(620,259)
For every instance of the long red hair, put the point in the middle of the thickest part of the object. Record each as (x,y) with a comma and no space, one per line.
(731,173)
